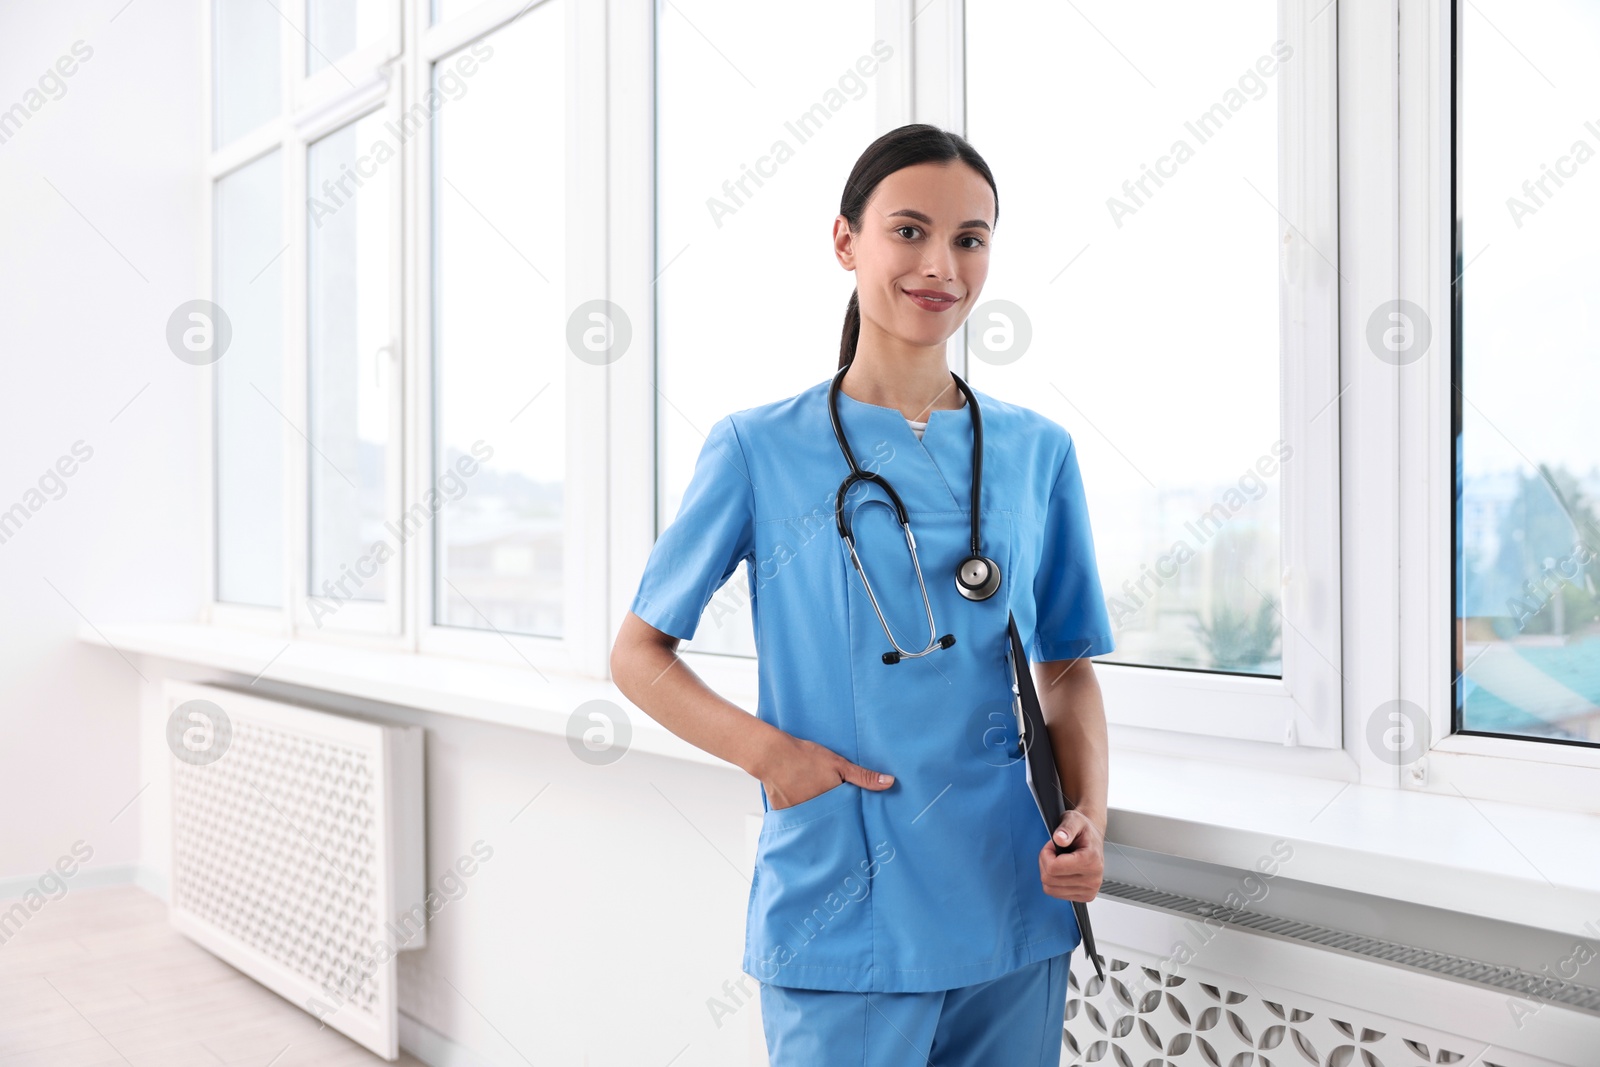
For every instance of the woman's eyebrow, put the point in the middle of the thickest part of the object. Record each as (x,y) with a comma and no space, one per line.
(912,213)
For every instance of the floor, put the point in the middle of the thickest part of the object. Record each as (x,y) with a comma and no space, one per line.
(99,978)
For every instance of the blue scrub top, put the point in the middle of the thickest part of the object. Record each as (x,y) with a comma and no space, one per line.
(932,883)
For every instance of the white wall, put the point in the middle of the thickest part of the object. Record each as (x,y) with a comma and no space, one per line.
(99,224)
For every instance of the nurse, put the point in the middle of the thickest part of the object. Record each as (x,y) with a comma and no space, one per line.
(907,905)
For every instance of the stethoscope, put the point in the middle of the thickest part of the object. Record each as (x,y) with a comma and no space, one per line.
(977,576)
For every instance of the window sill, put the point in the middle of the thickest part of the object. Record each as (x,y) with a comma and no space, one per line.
(1511,862)
(470,689)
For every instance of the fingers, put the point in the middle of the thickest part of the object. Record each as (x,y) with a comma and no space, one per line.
(1075,874)
(1069,864)
(866,779)
(1070,875)
(1074,832)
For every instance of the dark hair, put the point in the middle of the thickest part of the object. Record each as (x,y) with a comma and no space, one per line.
(905,146)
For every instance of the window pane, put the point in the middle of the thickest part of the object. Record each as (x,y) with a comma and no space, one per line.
(1138,246)
(1527,370)
(350,369)
(445,10)
(248,383)
(759,185)
(340,27)
(500,347)
(246,67)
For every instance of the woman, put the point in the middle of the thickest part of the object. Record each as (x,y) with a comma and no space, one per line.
(907,903)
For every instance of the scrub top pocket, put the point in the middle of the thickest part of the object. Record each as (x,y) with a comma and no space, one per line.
(812,883)
(797,813)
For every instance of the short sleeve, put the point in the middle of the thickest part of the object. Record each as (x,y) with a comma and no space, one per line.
(1072,622)
(713,531)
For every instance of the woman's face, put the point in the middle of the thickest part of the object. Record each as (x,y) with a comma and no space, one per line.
(925,234)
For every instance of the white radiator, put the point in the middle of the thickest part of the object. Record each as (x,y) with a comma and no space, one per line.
(297,850)
(1183,988)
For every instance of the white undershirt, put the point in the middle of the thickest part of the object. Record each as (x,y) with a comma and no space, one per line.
(918,427)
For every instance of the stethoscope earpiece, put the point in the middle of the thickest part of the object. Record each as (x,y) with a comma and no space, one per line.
(977,577)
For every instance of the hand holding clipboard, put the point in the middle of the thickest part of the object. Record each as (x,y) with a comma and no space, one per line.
(1040,762)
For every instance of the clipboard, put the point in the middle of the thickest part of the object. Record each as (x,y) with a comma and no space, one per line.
(1044,781)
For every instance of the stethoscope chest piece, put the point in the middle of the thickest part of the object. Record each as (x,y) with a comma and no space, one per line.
(977,578)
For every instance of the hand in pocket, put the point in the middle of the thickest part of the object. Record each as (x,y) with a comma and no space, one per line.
(799,770)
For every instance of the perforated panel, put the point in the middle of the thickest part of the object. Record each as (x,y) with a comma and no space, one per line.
(281,859)
(274,846)
(1184,1020)
(1227,998)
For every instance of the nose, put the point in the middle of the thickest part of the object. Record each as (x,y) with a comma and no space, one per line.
(939,265)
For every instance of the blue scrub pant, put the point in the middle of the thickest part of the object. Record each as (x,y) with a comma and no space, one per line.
(1014,1020)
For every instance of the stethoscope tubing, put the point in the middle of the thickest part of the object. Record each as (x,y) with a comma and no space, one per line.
(933,631)
(858,475)
(981,591)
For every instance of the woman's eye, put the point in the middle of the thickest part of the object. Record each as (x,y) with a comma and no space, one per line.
(968,237)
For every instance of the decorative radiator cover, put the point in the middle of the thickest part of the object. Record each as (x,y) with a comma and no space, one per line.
(297,850)
(1182,991)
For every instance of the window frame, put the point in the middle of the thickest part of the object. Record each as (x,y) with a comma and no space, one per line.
(308,91)
(221,161)
(1476,765)
(384,619)
(367,90)
(584,645)
(216,611)
(1302,708)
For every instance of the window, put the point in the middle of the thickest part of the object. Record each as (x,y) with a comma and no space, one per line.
(1527,458)
(351,350)
(443,10)
(1167,197)
(415,239)
(247,82)
(1141,296)
(759,185)
(339,28)
(316,526)
(305,271)
(248,385)
(499,324)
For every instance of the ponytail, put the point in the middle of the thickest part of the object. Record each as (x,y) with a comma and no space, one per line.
(852,331)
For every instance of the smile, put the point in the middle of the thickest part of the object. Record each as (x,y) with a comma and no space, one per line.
(931,299)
